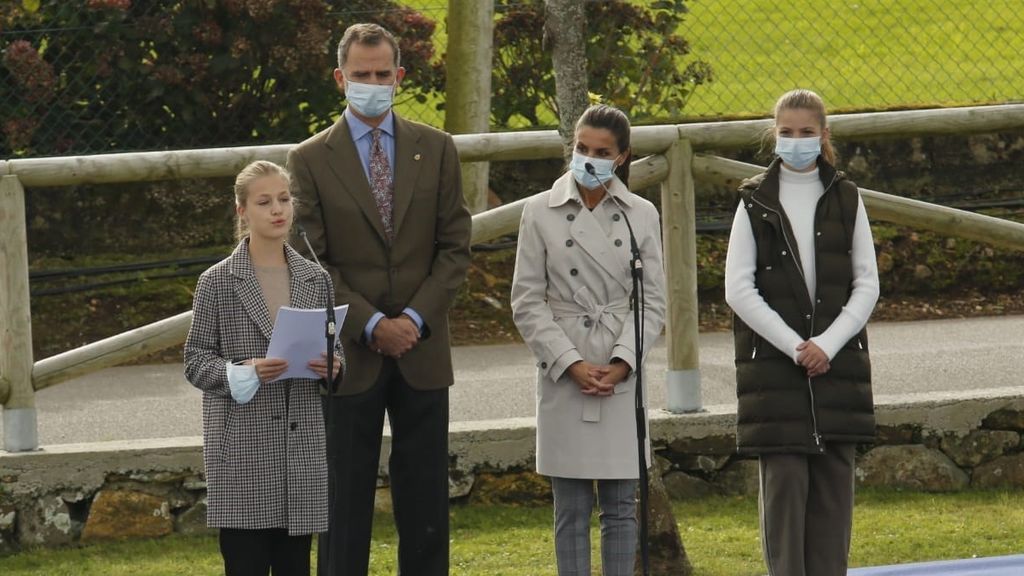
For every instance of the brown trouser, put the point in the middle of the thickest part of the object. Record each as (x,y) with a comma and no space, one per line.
(806,504)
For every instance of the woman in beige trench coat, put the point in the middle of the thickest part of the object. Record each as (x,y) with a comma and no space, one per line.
(570,302)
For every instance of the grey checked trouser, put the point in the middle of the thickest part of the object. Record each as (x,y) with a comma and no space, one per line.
(574,501)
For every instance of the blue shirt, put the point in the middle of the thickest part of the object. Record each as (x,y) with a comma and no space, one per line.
(363,139)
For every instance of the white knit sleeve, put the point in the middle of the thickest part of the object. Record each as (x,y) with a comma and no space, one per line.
(743,296)
(862,300)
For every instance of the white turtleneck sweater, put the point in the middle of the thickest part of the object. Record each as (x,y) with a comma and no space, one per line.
(799,193)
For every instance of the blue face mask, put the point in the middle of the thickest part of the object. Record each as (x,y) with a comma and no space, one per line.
(798,153)
(370,100)
(603,168)
(243,381)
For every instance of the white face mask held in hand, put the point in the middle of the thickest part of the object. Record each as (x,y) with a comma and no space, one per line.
(243,381)
(798,153)
(370,100)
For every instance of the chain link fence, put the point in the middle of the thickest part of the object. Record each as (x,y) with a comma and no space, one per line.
(93,76)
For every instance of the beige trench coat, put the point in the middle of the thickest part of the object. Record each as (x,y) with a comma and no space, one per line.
(570,302)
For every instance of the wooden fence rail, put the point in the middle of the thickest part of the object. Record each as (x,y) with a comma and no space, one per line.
(529,145)
(669,160)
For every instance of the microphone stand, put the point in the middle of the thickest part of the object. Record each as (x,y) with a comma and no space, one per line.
(636,301)
(330,385)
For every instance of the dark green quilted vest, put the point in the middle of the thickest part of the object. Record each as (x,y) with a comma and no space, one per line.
(779,408)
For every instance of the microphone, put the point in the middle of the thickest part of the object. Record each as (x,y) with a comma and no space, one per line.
(330,330)
(331,385)
(636,265)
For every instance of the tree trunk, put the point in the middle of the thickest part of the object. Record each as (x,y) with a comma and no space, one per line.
(667,554)
(564,26)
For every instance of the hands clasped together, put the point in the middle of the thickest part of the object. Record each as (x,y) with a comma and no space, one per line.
(395,336)
(598,379)
(812,358)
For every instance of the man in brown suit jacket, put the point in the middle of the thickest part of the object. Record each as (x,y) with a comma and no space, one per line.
(380,199)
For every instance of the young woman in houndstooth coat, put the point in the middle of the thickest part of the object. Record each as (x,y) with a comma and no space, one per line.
(263,440)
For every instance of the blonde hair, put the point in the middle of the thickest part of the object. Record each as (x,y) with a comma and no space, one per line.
(801,99)
(252,172)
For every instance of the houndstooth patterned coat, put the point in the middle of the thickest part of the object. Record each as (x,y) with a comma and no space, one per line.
(265,460)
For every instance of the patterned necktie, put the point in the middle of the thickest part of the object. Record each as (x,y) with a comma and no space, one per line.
(381,182)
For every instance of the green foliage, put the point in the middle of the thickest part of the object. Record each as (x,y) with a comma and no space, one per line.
(637,60)
(95,75)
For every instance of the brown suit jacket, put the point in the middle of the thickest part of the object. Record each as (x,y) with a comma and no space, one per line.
(424,265)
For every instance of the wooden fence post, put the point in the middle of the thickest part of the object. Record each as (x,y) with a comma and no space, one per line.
(16,392)
(468,93)
(679,233)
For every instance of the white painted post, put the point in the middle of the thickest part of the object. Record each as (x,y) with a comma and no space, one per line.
(16,392)
(468,93)
(679,233)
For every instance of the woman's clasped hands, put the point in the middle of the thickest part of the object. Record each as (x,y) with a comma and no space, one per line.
(598,379)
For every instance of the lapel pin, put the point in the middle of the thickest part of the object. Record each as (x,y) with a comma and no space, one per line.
(416,157)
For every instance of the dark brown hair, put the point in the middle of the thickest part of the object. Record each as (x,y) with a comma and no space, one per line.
(367,35)
(615,121)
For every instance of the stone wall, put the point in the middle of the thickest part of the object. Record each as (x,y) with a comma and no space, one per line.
(933,442)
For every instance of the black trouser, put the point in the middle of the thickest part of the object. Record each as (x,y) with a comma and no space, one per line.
(257,552)
(806,506)
(418,469)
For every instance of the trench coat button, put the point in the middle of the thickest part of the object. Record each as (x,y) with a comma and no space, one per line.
(618,242)
(294,426)
(588,323)
(544,365)
(570,217)
(784,252)
(568,243)
(616,217)
(574,272)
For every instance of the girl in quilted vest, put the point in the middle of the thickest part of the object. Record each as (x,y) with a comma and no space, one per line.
(802,280)
(263,437)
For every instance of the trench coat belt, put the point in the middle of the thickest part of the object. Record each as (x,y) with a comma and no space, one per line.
(583,305)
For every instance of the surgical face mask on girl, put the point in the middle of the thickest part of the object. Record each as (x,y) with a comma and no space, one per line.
(604,169)
(370,100)
(798,153)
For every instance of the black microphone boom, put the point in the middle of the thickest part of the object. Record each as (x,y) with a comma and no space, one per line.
(331,386)
(636,267)
(330,330)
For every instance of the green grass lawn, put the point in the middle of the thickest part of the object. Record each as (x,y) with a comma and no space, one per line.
(720,535)
(858,54)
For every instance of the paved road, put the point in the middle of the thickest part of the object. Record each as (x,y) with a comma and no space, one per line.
(498,381)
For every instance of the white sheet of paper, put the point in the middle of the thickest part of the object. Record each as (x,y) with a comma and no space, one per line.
(299,337)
